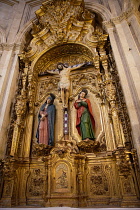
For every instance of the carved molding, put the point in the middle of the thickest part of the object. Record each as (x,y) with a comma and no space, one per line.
(124,16)
(9,47)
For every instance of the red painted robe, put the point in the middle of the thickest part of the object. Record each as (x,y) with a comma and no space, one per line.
(43,129)
(80,111)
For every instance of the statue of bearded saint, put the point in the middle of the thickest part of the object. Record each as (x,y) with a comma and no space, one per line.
(46,120)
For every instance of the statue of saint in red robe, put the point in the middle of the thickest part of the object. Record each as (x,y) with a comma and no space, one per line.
(85,122)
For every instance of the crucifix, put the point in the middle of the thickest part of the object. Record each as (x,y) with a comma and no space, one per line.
(63,70)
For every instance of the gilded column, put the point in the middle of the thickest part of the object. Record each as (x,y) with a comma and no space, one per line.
(29,116)
(81,184)
(102,78)
(110,90)
(20,110)
(110,142)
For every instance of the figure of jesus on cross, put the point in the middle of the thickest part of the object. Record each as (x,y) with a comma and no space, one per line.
(64,85)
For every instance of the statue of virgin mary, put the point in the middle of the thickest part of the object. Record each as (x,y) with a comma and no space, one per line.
(46,120)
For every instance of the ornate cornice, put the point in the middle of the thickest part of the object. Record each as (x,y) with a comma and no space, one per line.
(9,2)
(124,16)
(9,47)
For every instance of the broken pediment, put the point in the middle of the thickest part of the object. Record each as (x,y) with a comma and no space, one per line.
(60,22)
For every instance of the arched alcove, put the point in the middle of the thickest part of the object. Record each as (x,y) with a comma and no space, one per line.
(61,53)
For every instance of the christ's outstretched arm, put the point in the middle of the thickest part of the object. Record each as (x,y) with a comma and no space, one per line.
(80,65)
(55,71)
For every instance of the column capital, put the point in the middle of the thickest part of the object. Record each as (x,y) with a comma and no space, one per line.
(9,47)
(124,16)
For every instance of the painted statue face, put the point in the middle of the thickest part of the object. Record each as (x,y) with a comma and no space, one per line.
(82,95)
(60,66)
(48,101)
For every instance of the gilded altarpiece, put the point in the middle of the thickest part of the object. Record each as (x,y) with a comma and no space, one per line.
(72,172)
